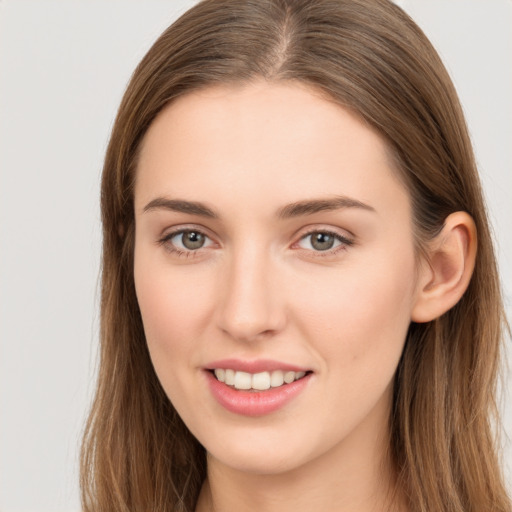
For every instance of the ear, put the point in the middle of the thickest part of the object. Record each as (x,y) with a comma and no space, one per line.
(446,269)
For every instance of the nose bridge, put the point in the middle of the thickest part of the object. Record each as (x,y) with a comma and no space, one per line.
(251,305)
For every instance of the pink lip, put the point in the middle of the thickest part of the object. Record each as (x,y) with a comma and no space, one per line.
(255,403)
(260,365)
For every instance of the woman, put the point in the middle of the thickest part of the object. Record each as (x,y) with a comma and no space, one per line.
(300,304)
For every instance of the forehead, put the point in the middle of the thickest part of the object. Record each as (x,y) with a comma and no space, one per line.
(284,140)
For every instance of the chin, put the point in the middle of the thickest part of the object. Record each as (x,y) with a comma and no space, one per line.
(258,461)
(265,452)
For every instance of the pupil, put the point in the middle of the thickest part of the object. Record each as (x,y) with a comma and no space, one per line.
(193,240)
(322,241)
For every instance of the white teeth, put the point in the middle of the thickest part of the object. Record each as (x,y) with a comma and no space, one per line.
(220,373)
(243,380)
(229,377)
(289,377)
(257,381)
(261,381)
(277,379)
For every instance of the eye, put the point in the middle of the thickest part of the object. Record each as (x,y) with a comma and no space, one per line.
(322,241)
(187,240)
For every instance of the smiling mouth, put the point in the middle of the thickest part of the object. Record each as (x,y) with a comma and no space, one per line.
(257,381)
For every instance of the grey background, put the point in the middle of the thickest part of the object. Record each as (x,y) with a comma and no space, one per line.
(63,68)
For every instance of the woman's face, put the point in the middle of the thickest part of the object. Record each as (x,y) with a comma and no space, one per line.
(273,243)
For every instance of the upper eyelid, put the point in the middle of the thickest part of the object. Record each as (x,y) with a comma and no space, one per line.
(344,234)
(300,234)
(169,232)
(344,240)
(327,231)
(165,241)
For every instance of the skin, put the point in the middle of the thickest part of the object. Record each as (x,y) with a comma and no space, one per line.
(258,289)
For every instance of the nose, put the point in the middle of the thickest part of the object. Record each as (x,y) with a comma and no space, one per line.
(251,307)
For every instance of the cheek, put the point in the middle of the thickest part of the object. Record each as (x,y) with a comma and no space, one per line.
(174,306)
(173,311)
(359,316)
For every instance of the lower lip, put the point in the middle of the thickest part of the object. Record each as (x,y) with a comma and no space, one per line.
(255,403)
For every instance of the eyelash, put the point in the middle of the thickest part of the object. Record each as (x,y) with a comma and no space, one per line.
(166,242)
(344,243)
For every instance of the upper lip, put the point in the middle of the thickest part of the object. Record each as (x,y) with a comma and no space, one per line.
(255,366)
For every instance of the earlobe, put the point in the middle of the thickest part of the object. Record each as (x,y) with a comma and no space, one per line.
(447,268)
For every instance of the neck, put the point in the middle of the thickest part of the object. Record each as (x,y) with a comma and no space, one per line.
(357,475)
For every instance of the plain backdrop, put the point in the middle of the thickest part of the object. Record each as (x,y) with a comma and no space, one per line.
(63,68)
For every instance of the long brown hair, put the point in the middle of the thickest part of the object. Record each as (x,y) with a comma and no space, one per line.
(370,57)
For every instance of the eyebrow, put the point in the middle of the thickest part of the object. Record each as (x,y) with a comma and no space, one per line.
(181,206)
(309,207)
(297,209)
